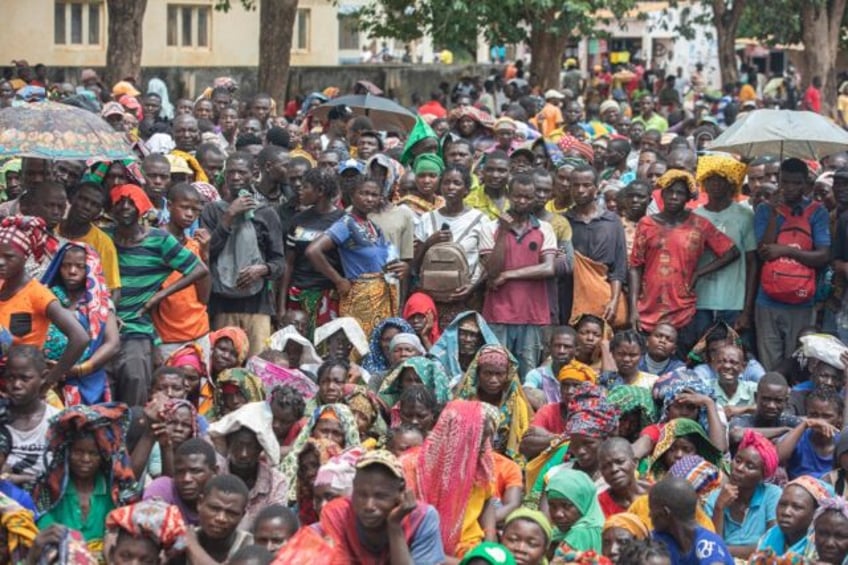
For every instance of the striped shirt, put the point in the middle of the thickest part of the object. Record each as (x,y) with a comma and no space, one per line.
(144,267)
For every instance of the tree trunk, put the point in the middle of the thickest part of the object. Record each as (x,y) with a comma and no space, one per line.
(726,22)
(820,27)
(124,41)
(547,44)
(276,19)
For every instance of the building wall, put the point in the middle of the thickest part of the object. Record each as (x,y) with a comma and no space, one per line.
(233,37)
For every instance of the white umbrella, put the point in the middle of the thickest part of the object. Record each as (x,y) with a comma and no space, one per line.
(786,133)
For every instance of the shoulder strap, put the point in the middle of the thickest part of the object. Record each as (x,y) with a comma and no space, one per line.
(433,221)
(771,230)
(470,227)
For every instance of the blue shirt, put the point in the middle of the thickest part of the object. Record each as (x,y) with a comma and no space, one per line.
(761,510)
(19,495)
(707,549)
(820,229)
(805,460)
(360,255)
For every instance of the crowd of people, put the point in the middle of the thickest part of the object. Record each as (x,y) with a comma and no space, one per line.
(518,333)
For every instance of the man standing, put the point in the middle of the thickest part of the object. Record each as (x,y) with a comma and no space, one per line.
(491,197)
(157,172)
(146,257)
(784,302)
(246,301)
(518,251)
(598,239)
(649,117)
(186,133)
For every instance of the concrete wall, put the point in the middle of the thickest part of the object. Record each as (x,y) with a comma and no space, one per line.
(400,80)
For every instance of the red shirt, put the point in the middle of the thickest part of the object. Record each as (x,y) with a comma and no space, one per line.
(812,99)
(669,257)
(608,505)
(433,108)
(549,417)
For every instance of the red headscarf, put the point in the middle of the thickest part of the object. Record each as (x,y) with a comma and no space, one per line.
(765,449)
(570,143)
(27,234)
(452,444)
(420,303)
(239,338)
(134,193)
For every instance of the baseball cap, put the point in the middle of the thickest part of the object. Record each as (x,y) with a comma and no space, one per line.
(351,163)
(381,457)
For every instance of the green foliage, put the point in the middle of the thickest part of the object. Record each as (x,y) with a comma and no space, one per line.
(499,21)
(226,5)
(778,24)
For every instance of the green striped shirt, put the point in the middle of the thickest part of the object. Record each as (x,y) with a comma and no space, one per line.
(144,267)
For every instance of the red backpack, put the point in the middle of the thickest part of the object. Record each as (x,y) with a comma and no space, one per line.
(786,280)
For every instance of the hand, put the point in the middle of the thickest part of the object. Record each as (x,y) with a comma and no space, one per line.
(460,294)
(693,283)
(49,537)
(610,310)
(249,275)
(635,321)
(154,408)
(203,237)
(400,269)
(743,322)
(406,504)
(441,236)
(241,205)
(727,495)
(822,427)
(151,304)
(771,251)
(701,400)
(499,281)
(343,288)
(160,432)
(429,321)
(158,358)
(506,220)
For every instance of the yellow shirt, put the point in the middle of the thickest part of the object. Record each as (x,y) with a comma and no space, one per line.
(478,199)
(472,533)
(105,247)
(640,508)
(551,207)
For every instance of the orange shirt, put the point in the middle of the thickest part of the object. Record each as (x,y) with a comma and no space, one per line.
(507,474)
(25,314)
(181,316)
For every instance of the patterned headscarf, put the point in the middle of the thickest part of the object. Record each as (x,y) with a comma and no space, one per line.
(338,472)
(452,444)
(93,306)
(724,166)
(375,362)
(630,398)
(514,409)
(834,503)
(27,234)
(189,355)
(359,399)
(483,119)
(765,449)
(206,191)
(155,520)
(19,525)
(174,404)
(817,489)
(577,371)
(325,449)
(681,380)
(239,338)
(676,175)
(698,472)
(289,464)
(107,424)
(446,350)
(71,550)
(690,429)
(591,414)
(629,522)
(248,384)
(570,143)
(430,372)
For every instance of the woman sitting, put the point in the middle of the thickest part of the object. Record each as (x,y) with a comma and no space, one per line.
(795,509)
(335,478)
(378,360)
(681,437)
(230,346)
(570,500)
(746,505)
(591,330)
(344,339)
(420,311)
(636,407)
(620,529)
(90,473)
(528,535)
(830,530)
(315,453)
(417,407)
(493,378)
(461,441)
(460,342)
(145,532)
(189,361)
(236,387)
(415,371)
(370,412)
(75,276)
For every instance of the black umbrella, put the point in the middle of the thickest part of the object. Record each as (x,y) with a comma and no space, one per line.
(385,114)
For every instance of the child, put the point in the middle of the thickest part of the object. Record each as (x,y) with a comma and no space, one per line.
(625,352)
(402,438)
(182,317)
(26,383)
(809,448)
(273,527)
(660,358)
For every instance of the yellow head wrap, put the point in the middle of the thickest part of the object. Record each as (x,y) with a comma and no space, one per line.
(577,371)
(676,175)
(726,167)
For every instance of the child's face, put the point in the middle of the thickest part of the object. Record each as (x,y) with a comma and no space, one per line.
(406,441)
(24,383)
(184,211)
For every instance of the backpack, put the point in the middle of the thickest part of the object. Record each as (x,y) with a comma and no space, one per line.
(786,280)
(444,267)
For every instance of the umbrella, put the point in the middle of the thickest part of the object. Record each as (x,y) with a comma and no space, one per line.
(48,130)
(385,114)
(787,133)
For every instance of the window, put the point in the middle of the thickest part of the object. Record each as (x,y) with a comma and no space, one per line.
(188,26)
(348,33)
(300,41)
(77,22)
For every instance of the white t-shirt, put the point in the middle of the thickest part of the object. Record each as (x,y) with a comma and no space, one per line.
(466,226)
(29,447)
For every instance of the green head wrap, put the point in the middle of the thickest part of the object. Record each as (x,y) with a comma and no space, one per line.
(524,513)
(428,163)
(419,132)
(490,552)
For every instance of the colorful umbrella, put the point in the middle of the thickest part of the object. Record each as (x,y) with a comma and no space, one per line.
(49,130)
